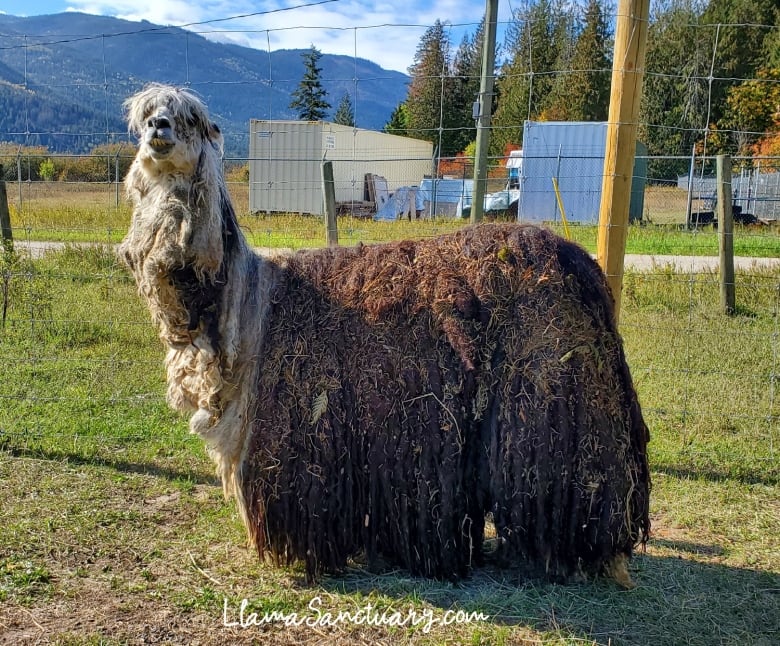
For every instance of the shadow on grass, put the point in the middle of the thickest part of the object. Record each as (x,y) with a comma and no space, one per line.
(173,474)
(689,547)
(750,477)
(677,600)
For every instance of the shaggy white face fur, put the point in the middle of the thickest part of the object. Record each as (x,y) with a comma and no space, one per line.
(171,125)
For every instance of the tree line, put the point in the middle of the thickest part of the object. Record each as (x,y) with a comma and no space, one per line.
(103,163)
(712,79)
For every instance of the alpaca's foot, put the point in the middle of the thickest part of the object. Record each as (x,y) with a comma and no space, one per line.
(617,570)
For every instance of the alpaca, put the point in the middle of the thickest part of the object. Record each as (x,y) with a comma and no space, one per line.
(381,401)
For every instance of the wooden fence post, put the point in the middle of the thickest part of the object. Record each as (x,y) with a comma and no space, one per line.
(725,234)
(5,214)
(689,199)
(329,200)
(485,102)
(117,181)
(626,94)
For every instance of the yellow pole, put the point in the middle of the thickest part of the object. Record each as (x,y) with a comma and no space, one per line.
(625,98)
(566,231)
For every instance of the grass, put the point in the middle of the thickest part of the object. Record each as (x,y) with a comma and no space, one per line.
(113,529)
(95,213)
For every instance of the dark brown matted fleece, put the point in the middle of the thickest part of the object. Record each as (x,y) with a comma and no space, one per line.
(407,390)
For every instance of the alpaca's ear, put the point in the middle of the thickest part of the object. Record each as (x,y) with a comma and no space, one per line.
(216,138)
(132,116)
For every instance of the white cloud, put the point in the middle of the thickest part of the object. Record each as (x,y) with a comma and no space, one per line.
(386,33)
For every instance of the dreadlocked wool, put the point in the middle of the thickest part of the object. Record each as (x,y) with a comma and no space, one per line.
(382,401)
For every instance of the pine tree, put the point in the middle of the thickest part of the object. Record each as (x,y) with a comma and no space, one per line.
(744,40)
(534,41)
(399,121)
(772,45)
(309,98)
(467,72)
(674,105)
(345,115)
(581,93)
(431,110)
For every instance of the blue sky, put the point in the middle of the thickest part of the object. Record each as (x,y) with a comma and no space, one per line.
(384,32)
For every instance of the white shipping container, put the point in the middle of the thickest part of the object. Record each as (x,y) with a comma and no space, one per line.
(285,159)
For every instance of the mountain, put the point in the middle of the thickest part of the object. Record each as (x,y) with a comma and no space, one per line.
(63,79)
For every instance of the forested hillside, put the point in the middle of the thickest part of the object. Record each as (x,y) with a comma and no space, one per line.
(63,79)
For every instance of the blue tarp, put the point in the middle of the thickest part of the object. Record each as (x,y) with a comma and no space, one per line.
(398,203)
(443,197)
(446,196)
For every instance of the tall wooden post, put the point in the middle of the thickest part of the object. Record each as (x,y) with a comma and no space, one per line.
(485,110)
(725,234)
(5,215)
(329,200)
(627,75)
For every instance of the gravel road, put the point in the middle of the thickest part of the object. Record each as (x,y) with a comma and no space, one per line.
(683,264)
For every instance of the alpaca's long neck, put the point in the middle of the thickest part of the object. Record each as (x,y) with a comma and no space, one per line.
(221,305)
(202,284)
(240,289)
(232,320)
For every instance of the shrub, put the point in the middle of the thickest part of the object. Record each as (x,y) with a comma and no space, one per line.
(46,169)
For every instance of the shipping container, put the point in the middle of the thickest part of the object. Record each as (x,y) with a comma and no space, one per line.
(572,152)
(285,160)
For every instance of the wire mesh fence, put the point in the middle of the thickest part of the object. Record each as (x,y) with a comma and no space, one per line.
(81,369)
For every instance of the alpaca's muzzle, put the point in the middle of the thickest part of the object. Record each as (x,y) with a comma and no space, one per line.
(160,145)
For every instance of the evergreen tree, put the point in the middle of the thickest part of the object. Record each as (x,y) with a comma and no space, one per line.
(743,46)
(674,105)
(772,46)
(742,43)
(431,111)
(467,73)
(309,98)
(534,42)
(582,92)
(345,115)
(399,121)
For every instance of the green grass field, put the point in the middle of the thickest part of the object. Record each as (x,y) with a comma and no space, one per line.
(113,529)
(63,212)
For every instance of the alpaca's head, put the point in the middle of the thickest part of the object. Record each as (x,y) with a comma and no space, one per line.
(181,208)
(172,125)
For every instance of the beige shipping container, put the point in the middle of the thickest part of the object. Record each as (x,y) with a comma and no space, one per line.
(285,159)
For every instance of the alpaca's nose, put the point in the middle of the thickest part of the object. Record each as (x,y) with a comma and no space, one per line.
(158,123)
